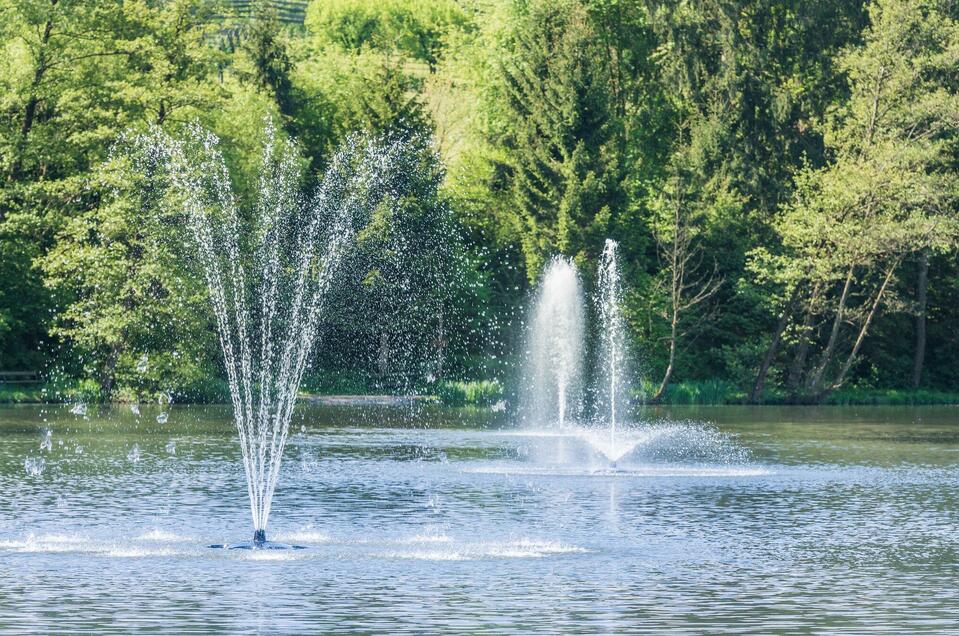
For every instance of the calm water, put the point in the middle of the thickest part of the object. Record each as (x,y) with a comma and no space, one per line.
(771,520)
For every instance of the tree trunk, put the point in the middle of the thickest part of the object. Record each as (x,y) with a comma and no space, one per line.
(802,351)
(440,344)
(672,360)
(816,380)
(33,101)
(108,372)
(383,355)
(922,289)
(756,394)
(841,377)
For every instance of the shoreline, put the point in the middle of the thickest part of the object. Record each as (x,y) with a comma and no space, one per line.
(891,397)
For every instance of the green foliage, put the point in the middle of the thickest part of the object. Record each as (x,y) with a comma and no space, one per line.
(402,298)
(564,174)
(891,397)
(136,316)
(262,42)
(889,194)
(416,29)
(72,77)
(475,393)
(766,152)
(338,382)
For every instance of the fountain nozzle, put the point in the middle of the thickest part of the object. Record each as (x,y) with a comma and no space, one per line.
(259,537)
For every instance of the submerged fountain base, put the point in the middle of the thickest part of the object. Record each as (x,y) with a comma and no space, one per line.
(259,543)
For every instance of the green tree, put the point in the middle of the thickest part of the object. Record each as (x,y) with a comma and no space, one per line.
(888,195)
(261,39)
(564,173)
(415,29)
(137,319)
(74,74)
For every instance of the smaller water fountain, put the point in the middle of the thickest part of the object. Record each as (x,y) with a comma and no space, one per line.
(554,369)
(560,440)
(554,374)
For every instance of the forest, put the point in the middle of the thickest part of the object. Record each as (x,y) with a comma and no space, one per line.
(782,178)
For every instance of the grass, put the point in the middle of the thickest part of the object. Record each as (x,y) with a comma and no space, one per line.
(469,393)
(21,393)
(50,392)
(719,392)
(699,393)
(486,392)
(892,397)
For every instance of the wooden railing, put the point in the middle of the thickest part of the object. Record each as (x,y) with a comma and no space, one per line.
(19,377)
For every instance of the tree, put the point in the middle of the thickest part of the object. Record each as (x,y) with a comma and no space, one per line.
(747,84)
(688,281)
(890,192)
(73,75)
(564,172)
(414,29)
(261,39)
(104,68)
(136,316)
(397,306)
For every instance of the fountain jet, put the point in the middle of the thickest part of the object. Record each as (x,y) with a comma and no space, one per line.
(611,394)
(268,273)
(553,378)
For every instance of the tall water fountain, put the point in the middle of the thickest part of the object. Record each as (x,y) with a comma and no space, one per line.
(611,387)
(554,364)
(267,273)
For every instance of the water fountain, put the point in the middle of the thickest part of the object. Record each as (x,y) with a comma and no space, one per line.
(611,389)
(553,377)
(267,273)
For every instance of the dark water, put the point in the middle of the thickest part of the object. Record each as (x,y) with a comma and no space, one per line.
(772,521)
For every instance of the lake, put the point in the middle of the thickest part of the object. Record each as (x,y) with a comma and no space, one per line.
(428,520)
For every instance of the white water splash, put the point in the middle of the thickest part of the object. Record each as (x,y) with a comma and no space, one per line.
(553,378)
(47,443)
(34,466)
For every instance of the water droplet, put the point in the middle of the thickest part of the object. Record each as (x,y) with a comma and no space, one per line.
(171,447)
(162,418)
(79,409)
(47,443)
(134,454)
(143,363)
(135,408)
(34,466)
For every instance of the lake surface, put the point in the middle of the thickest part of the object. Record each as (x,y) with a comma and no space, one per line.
(762,520)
